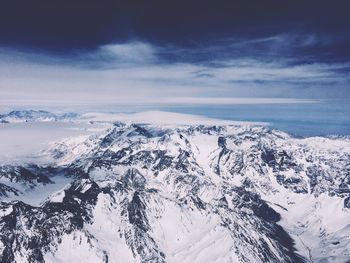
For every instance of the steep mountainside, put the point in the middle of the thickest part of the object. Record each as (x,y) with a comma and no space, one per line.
(196,193)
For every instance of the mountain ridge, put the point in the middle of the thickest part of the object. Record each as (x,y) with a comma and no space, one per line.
(147,193)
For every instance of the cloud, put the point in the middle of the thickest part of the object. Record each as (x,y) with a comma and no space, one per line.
(138,72)
(131,53)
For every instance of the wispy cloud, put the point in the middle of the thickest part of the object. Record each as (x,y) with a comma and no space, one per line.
(128,54)
(141,72)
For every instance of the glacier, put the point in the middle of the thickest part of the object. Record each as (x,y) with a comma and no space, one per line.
(164,187)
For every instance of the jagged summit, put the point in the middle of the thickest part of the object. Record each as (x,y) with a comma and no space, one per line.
(182,193)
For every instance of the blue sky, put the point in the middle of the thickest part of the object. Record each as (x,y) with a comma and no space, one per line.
(186,52)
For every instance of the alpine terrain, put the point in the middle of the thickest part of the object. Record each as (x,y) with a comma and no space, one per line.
(151,192)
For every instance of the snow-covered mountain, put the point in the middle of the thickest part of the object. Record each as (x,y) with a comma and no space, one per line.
(35,115)
(181,193)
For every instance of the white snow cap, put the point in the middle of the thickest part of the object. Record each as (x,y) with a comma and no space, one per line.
(164,117)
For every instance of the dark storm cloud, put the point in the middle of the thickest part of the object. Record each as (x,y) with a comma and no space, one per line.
(62,25)
(141,51)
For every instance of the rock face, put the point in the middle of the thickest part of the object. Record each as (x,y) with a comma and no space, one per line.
(143,193)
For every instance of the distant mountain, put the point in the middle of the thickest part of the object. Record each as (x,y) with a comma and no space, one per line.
(35,115)
(193,193)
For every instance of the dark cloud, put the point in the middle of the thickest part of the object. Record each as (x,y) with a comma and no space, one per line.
(163,48)
(61,25)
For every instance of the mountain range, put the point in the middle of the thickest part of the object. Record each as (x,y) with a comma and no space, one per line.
(150,192)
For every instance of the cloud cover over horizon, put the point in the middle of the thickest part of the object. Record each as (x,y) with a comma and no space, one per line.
(136,54)
(141,72)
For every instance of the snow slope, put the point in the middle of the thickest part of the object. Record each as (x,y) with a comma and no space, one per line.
(182,191)
(35,116)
